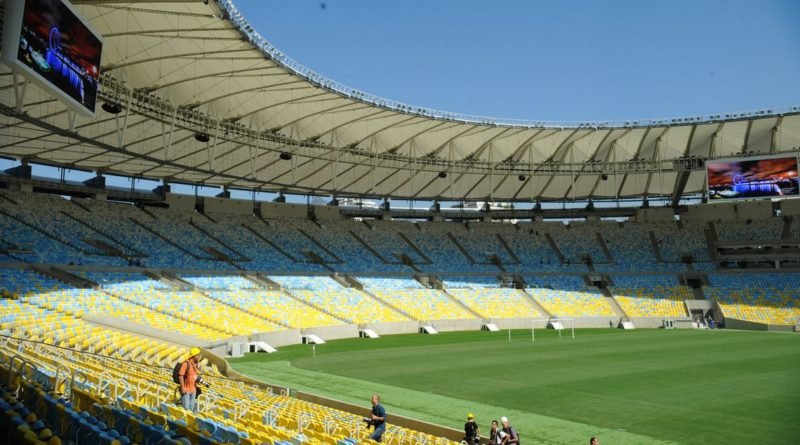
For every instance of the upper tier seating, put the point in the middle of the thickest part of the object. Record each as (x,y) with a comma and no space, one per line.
(249,236)
(434,241)
(757,229)
(49,229)
(676,242)
(575,240)
(356,257)
(384,237)
(482,243)
(534,251)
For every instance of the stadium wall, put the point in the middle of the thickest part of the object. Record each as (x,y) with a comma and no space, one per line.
(650,322)
(182,203)
(457,325)
(733,323)
(790,207)
(279,338)
(741,211)
(228,206)
(333,332)
(655,214)
(275,210)
(399,327)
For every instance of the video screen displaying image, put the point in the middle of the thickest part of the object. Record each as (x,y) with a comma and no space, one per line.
(752,178)
(55,44)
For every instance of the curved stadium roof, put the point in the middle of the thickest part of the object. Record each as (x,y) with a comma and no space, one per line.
(180,68)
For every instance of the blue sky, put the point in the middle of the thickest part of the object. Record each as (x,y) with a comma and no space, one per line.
(556,60)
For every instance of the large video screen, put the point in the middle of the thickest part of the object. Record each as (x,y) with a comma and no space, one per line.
(56,48)
(752,178)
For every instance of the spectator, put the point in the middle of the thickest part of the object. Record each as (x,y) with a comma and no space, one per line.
(377,419)
(594,441)
(472,432)
(494,434)
(511,435)
(188,379)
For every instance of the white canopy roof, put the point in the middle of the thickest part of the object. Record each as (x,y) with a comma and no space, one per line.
(178,68)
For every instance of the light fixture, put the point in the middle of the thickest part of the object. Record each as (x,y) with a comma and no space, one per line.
(202,137)
(521,178)
(442,175)
(111,107)
(286,156)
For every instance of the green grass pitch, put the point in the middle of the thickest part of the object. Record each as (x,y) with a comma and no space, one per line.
(627,387)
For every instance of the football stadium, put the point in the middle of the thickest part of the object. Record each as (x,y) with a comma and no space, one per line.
(203,241)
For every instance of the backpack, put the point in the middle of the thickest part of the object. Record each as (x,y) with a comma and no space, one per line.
(176,372)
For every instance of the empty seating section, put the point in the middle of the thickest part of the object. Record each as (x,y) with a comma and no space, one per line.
(629,244)
(178,228)
(126,222)
(763,298)
(199,309)
(67,323)
(442,251)
(137,401)
(496,302)
(47,213)
(757,229)
(50,229)
(704,267)
(42,248)
(376,283)
(350,304)
(356,257)
(289,235)
(532,248)
(424,304)
(482,243)
(305,282)
(112,279)
(568,296)
(276,306)
(222,282)
(326,295)
(472,282)
(794,228)
(645,267)
(384,238)
(675,242)
(85,302)
(22,282)
(410,296)
(233,231)
(650,295)
(49,312)
(34,323)
(576,240)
